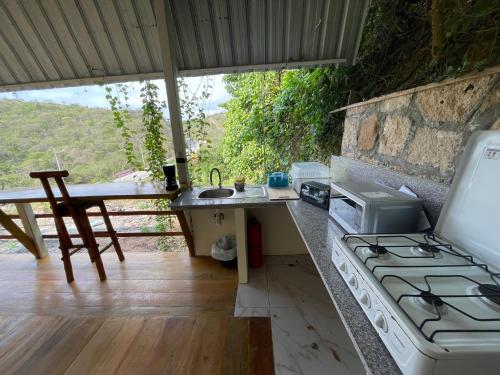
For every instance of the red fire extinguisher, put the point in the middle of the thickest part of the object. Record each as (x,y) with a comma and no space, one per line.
(254,241)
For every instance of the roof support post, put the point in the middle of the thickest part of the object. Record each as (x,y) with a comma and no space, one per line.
(170,70)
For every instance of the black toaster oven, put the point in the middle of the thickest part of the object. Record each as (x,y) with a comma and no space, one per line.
(315,193)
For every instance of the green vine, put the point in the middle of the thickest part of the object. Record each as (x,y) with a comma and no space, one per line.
(154,143)
(152,121)
(152,125)
(195,126)
(121,116)
(153,139)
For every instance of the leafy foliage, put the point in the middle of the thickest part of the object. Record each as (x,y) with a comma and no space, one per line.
(195,126)
(152,132)
(276,118)
(154,143)
(121,116)
(246,149)
(396,48)
(153,124)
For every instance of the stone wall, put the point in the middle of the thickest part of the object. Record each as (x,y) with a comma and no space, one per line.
(423,131)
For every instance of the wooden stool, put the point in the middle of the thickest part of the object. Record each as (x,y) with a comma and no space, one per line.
(77,210)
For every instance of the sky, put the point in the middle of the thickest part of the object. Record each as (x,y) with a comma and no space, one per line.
(95,96)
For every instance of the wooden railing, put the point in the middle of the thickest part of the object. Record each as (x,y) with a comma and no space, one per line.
(106,234)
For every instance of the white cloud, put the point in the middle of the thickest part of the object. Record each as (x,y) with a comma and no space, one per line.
(95,96)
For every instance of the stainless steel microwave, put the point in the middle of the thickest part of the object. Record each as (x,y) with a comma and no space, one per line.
(367,207)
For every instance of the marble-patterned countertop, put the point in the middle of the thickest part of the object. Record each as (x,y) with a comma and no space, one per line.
(187,200)
(318,231)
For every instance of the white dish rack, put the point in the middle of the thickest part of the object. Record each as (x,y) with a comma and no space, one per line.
(309,171)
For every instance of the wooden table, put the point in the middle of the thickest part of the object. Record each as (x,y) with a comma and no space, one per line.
(31,237)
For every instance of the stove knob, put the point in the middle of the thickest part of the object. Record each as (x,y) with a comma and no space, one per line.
(365,298)
(343,266)
(380,321)
(352,281)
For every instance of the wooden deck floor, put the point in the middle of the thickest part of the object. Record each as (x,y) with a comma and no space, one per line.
(135,345)
(152,284)
(158,313)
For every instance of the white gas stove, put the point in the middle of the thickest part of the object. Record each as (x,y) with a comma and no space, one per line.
(435,299)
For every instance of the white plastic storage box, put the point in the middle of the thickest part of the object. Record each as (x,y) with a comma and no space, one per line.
(309,171)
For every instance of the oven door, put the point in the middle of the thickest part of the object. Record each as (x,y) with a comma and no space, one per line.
(346,211)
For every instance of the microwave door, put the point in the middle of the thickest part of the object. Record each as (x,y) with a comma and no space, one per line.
(347,213)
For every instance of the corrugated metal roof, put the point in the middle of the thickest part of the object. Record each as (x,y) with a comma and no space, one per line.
(47,43)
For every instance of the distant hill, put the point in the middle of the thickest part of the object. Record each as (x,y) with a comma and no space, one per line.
(36,136)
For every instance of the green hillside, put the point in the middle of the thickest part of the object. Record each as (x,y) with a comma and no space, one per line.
(85,141)
(215,131)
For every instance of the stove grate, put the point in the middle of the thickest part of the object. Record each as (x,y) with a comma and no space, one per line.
(437,305)
(436,300)
(446,248)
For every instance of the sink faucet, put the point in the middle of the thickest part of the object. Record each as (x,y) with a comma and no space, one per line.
(220,179)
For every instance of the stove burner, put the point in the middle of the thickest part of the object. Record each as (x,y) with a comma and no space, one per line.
(377,249)
(431,299)
(428,248)
(491,292)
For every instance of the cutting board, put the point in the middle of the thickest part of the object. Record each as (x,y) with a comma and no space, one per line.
(281,193)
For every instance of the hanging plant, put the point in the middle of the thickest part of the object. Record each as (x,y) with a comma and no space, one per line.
(195,124)
(154,143)
(121,117)
(154,139)
(152,122)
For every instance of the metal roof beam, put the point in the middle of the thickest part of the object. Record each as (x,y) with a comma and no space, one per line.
(80,82)
(259,67)
(160,75)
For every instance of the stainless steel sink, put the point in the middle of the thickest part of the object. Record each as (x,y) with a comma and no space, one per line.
(230,193)
(216,193)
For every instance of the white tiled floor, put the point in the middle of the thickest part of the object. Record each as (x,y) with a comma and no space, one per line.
(308,336)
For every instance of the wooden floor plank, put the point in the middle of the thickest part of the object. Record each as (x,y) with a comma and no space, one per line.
(134,345)
(121,299)
(113,355)
(156,314)
(20,346)
(173,342)
(236,355)
(153,274)
(138,357)
(59,348)
(203,353)
(10,323)
(124,311)
(261,347)
(112,286)
(146,283)
(89,358)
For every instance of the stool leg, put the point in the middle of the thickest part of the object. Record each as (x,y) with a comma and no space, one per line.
(111,231)
(81,230)
(65,244)
(93,247)
(68,268)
